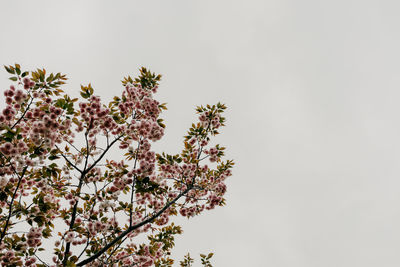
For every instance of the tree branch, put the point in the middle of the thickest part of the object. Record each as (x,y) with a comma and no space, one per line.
(103,154)
(83,174)
(3,233)
(78,191)
(23,115)
(67,160)
(133,184)
(132,228)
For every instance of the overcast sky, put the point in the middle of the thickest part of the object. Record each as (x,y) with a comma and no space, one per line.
(312,89)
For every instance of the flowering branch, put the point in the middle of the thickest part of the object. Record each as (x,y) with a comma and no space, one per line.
(132,228)
(95,203)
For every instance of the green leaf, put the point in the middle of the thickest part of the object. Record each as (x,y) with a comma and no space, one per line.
(9,69)
(14,79)
(53,157)
(85,95)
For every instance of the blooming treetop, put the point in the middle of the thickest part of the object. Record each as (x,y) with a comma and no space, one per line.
(55,169)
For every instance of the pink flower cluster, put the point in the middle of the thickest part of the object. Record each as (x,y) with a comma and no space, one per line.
(7,115)
(144,259)
(150,106)
(34,237)
(10,149)
(9,257)
(95,117)
(213,152)
(147,160)
(138,98)
(145,128)
(71,198)
(14,96)
(30,261)
(209,119)
(27,83)
(191,211)
(97,227)
(14,99)
(188,170)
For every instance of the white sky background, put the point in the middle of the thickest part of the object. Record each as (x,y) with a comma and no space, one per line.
(312,89)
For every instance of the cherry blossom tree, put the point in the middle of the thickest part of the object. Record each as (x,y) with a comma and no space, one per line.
(65,198)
